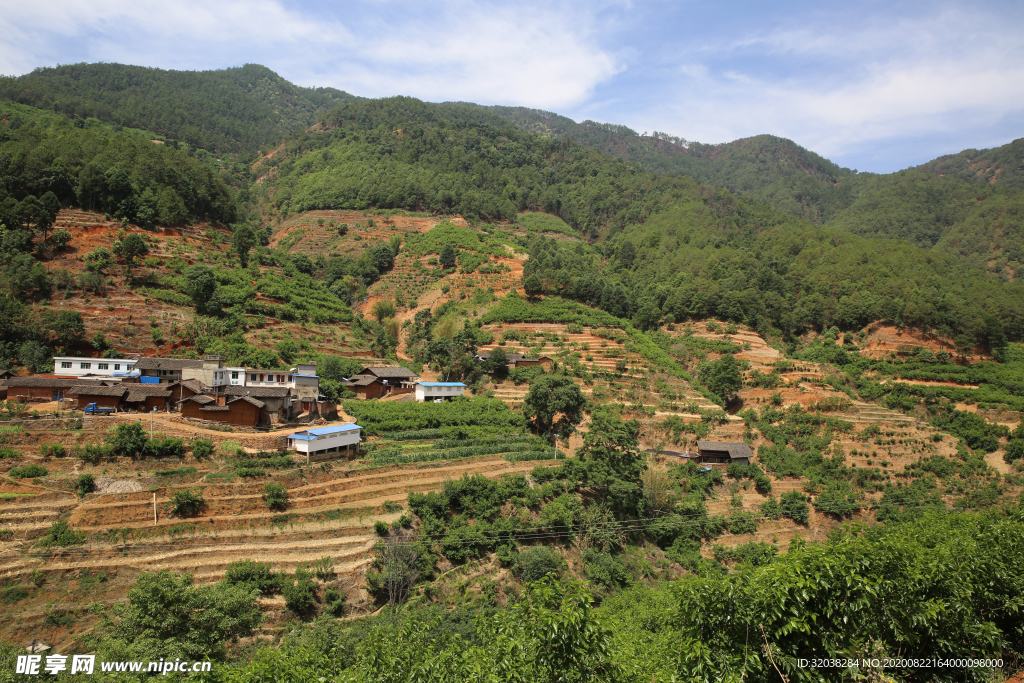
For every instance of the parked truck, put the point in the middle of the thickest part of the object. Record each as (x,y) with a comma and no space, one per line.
(93,409)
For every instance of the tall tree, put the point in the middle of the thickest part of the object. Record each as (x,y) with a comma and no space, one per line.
(129,248)
(201,287)
(242,241)
(447,258)
(554,405)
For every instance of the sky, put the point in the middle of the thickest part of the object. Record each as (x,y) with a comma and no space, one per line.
(876,86)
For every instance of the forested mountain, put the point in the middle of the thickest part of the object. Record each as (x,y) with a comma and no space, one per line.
(764,167)
(999,165)
(669,247)
(981,223)
(403,153)
(973,210)
(229,110)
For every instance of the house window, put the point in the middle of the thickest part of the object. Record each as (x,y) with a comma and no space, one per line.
(117,366)
(234,375)
(289,378)
(66,364)
(253,378)
(85,366)
(103,366)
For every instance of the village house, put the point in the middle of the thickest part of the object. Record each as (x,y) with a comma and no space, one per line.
(144,398)
(277,401)
(77,366)
(42,389)
(375,381)
(518,360)
(167,370)
(327,443)
(438,391)
(102,395)
(182,389)
(720,453)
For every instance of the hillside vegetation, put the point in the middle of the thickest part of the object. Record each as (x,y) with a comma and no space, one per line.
(229,110)
(841,325)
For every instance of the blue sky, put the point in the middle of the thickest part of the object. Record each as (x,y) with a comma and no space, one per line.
(876,86)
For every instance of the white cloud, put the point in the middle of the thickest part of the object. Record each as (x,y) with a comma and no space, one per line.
(836,90)
(523,54)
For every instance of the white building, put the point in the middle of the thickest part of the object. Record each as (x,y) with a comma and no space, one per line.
(229,377)
(255,377)
(433,391)
(324,443)
(75,366)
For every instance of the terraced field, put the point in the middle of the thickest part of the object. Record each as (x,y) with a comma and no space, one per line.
(331,513)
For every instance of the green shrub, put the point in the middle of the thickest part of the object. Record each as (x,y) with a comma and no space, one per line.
(128,440)
(753,553)
(187,502)
(323,568)
(606,569)
(8,453)
(538,561)
(12,593)
(275,495)
(202,448)
(86,484)
(90,453)
(53,450)
(257,574)
(28,472)
(59,619)
(61,534)
(165,447)
(380,527)
(250,472)
(300,592)
(334,602)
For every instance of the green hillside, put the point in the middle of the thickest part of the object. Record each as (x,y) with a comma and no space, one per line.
(1000,165)
(230,110)
(764,167)
(980,223)
(668,248)
(403,153)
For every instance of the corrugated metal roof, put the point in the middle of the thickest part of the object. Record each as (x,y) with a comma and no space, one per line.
(442,384)
(311,434)
(167,363)
(735,450)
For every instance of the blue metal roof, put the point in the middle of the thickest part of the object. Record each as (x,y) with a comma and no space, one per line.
(442,384)
(295,374)
(311,434)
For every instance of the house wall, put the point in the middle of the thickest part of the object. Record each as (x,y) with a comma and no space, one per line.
(76,369)
(179,392)
(330,444)
(35,394)
(102,401)
(171,376)
(192,410)
(375,390)
(307,388)
(158,402)
(242,413)
(430,393)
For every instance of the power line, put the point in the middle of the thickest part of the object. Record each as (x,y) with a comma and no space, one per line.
(514,534)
